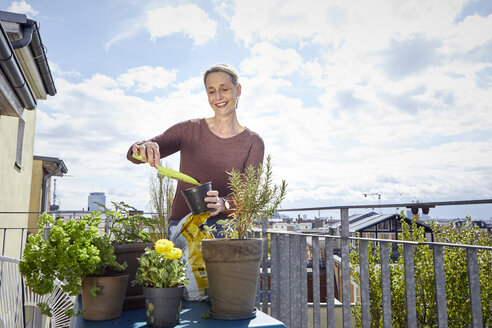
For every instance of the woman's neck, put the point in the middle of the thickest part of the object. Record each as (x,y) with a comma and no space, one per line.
(224,127)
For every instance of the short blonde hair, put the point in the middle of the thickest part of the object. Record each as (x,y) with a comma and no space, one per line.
(222,68)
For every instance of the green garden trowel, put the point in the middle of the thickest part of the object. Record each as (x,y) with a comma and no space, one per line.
(171,173)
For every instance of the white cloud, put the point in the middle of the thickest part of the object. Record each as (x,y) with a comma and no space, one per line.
(146,78)
(132,28)
(362,24)
(187,19)
(269,60)
(56,70)
(470,33)
(22,7)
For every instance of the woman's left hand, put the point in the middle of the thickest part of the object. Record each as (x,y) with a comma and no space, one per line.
(214,202)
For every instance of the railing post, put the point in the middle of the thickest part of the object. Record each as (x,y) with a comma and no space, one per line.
(330,284)
(264,269)
(442,312)
(315,276)
(364,285)
(303,277)
(46,232)
(474,286)
(345,243)
(3,241)
(295,278)
(408,251)
(275,275)
(284,282)
(259,296)
(385,284)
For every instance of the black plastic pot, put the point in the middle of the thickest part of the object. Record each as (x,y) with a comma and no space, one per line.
(195,196)
(163,306)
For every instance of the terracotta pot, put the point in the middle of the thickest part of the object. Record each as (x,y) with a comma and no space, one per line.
(232,269)
(130,253)
(163,306)
(109,301)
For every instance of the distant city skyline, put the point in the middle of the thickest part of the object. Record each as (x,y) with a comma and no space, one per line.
(440,212)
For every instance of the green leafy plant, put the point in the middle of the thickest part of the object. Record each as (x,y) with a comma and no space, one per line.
(127,226)
(161,267)
(455,267)
(73,250)
(228,229)
(255,198)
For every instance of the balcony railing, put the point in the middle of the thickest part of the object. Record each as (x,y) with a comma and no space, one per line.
(283,292)
(287,294)
(287,265)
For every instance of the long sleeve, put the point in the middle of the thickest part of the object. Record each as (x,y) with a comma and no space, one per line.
(256,153)
(169,142)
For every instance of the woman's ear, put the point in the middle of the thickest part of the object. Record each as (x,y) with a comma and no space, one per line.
(238,90)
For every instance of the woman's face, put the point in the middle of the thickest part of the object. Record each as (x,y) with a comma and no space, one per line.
(222,93)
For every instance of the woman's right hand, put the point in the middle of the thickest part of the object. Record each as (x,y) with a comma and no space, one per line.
(149,151)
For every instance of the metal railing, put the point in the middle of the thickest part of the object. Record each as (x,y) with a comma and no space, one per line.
(7,234)
(21,234)
(286,266)
(287,294)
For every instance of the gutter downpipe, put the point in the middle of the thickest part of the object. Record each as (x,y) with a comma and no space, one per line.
(29,27)
(30,35)
(13,72)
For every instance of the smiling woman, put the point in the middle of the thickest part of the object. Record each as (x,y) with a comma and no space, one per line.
(209,147)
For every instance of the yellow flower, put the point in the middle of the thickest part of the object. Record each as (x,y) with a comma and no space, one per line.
(163,245)
(173,254)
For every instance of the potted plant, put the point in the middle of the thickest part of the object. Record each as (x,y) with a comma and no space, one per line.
(162,273)
(76,253)
(129,232)
(232,262)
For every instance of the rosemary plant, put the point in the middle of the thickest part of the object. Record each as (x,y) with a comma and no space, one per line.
(255,197)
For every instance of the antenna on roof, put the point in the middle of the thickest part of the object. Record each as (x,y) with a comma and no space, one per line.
(54,206)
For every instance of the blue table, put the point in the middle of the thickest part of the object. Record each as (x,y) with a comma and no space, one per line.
(190,317)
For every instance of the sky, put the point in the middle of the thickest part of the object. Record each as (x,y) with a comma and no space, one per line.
(387,98)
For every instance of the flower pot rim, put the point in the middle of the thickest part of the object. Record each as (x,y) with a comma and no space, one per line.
(122,274)
(132,245)
(179,286)
(229,239)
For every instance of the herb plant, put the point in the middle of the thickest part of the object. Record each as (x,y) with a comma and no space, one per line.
(126,227)
(73,250)
(255,198)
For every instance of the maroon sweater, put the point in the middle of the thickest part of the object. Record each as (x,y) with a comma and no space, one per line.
(206,157)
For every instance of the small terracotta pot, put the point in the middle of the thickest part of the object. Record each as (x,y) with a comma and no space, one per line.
(108,303)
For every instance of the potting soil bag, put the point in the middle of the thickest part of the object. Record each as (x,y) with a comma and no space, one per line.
(188,237)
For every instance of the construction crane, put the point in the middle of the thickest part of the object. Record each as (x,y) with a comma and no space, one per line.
(372,194)
(365,194)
